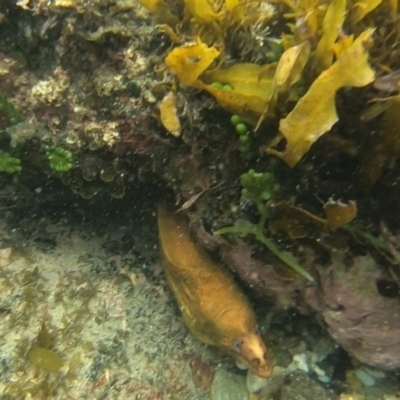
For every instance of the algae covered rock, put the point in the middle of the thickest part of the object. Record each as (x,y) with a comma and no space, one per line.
(228,386)
(358,315)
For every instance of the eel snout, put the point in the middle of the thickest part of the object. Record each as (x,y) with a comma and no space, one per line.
(250,350)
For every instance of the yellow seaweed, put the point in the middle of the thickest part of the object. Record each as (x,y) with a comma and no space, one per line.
(288,72)
(250,93)
(206,11)
(244,78)
(203,10)
(315,113)
(252,84)
(342,44)
(189,61)
(213,306)
(248,107)
(291,65)
(362,8)
(331,26)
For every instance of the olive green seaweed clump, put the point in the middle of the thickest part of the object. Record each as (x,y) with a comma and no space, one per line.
(8,163)
(60,159)
(46,359)
(259,188)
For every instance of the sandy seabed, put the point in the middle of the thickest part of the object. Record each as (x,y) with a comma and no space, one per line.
(104,312)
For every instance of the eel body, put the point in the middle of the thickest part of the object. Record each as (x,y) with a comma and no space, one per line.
(213,306)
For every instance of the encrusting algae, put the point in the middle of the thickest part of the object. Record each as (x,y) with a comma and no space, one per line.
(213,307)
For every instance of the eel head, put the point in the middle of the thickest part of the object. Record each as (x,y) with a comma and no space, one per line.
(250,351)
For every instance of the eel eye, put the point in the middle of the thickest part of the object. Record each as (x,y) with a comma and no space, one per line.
(237,346)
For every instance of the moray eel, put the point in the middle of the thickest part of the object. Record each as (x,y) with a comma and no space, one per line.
(213,306)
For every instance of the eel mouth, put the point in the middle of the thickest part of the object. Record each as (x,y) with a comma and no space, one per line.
(262,368)
(251,352)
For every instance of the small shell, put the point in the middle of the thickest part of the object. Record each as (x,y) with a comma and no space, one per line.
(169,115)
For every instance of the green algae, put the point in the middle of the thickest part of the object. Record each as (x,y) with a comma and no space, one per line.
(9,115)
(259,188)
(9,163)
(60,159)
(46,359)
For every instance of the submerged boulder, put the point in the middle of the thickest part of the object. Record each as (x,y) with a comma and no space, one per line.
(361,319)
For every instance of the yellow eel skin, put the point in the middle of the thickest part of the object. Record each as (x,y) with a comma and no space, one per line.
(213,306)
